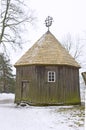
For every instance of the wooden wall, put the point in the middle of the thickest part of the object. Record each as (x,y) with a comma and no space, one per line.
(84,76)
(39,91)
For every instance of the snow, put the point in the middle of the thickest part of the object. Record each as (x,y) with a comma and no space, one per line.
(5,96)
(39,118)
(13,117)
(82,91)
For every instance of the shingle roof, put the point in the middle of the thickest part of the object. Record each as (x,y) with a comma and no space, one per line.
(47,51)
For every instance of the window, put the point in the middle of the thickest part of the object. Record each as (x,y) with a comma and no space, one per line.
(51,76)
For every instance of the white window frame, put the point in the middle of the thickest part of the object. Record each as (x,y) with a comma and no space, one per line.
(51,76)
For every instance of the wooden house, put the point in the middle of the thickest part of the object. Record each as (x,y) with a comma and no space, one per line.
(47,74)
(84,76)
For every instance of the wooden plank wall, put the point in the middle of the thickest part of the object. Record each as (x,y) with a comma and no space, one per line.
(64,91)
(84,76)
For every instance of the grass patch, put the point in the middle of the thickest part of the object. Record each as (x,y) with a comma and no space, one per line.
(74,115)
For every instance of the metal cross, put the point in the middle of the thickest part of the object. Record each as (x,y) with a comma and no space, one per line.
(48,22)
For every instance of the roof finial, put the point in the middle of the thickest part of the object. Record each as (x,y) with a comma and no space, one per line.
(48,22)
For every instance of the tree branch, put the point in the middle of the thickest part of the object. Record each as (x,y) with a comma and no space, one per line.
(3,22)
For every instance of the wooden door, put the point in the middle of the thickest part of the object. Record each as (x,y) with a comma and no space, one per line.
(24,89)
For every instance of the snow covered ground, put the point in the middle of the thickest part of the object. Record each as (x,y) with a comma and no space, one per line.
(14,117)
(41,118)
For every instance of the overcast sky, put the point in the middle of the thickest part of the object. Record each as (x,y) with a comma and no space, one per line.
(69,16)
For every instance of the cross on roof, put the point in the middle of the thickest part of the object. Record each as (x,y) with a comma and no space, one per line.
(48,22)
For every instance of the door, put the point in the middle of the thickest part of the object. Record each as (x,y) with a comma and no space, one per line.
(24,89)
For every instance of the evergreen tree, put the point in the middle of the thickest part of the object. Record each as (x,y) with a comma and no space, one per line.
(7,81)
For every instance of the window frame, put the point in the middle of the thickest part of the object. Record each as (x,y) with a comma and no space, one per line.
(51,76)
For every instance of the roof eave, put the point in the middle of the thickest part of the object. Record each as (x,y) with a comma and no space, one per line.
(18,65)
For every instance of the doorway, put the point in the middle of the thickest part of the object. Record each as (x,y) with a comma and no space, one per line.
(24,89)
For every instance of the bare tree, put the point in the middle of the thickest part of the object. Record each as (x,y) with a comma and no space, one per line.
(13,20)
(74,46)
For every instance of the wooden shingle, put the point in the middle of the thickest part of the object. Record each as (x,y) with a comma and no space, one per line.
(47,51)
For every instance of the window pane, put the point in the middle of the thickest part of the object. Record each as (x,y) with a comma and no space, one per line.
(49,76)
(52,73)
(52,79)
(53,76)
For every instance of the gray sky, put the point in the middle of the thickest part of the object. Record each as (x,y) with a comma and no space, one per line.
(69,16)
